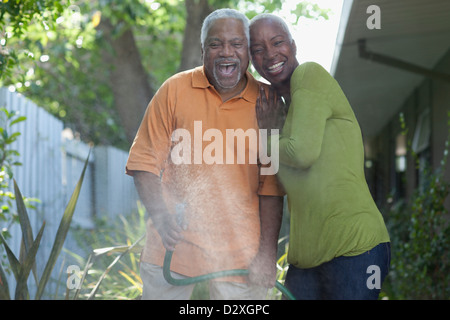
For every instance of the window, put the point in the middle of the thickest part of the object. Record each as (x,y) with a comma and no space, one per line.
(400,153)
(421,139)
(421,145)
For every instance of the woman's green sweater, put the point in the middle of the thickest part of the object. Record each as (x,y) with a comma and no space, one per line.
(322,170)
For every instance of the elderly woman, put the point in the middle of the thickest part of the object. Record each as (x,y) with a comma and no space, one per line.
(339,245)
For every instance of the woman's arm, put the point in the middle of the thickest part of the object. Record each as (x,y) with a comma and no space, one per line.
(303,144)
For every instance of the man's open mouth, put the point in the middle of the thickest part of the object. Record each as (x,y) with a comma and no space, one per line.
(226,68)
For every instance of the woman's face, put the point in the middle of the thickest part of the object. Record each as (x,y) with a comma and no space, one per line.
(272,51)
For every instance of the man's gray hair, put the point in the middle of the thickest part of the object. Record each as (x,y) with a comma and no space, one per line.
(273,17)
(220,14)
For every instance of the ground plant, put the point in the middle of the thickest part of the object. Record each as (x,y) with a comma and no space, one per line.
(420,238)
(26,262)
(8,160)
(109,267)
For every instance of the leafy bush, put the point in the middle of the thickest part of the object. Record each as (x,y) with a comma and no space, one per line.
(26,262)
(420,238)
(8,159)
(15,18)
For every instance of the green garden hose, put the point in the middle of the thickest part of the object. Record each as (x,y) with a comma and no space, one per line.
(213,275)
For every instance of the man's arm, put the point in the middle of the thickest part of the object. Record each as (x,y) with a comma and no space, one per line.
(148,186)
(263,269)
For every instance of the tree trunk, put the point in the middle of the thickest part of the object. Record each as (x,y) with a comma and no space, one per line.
(129,80)
(196,10)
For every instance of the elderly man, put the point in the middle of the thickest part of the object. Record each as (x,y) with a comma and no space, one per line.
(223,205)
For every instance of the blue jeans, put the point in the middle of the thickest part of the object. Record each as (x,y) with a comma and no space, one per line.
(343,278)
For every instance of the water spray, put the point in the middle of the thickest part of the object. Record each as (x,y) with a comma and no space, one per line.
(209,276)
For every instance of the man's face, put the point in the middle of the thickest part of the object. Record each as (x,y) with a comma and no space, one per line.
(273,53)
(225,55)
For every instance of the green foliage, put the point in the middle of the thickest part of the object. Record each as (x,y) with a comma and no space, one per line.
(420,238)
(7,156)
(15,19)
(26,262)
(304,9)
(56,70)
(310,11)
(111,270)
(8,160)
(282,268)
(68,73)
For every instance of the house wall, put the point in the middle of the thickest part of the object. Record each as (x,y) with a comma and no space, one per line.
(386,183)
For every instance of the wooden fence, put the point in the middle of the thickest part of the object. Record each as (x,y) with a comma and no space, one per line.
(51,166)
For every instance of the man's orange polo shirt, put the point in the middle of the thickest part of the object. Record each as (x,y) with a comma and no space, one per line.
(222,203)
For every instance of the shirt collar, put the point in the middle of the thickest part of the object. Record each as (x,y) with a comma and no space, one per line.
(250,92)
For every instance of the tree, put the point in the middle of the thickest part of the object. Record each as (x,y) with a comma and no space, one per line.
(104,61)
(15,18)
